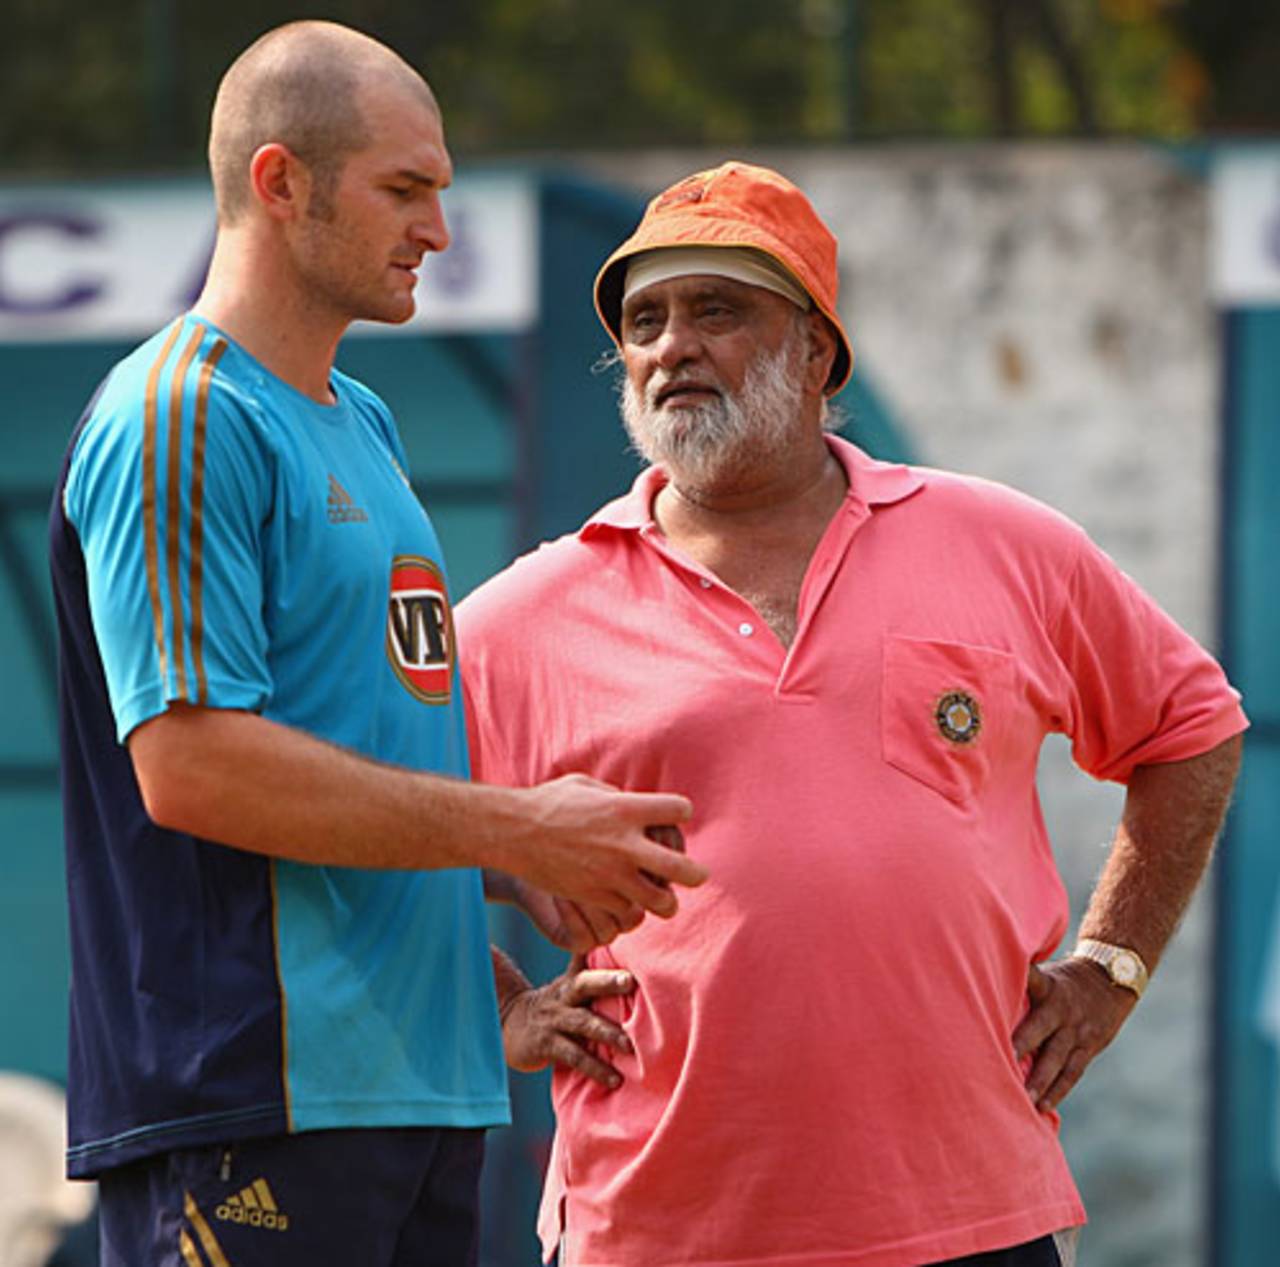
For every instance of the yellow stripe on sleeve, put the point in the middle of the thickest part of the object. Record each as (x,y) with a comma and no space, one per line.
(150,527)
(173,520)
(197,518)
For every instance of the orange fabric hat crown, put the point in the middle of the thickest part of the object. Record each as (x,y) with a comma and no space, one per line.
(742,206)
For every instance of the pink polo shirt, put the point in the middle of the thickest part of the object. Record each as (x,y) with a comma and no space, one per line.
(823,1069)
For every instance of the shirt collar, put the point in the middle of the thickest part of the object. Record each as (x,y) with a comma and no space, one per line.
(871,483)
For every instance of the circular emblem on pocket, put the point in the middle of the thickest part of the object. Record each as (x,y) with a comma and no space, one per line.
(958,716)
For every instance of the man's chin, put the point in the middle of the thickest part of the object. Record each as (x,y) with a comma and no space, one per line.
(392,311)
(401,313)
(702,466)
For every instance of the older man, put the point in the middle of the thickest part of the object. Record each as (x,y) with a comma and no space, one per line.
(850,1046)
(284,1036)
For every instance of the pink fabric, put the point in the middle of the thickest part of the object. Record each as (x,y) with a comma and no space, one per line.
(823,1069)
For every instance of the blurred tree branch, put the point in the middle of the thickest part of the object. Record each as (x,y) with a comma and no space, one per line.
(1053,35)
(127,84)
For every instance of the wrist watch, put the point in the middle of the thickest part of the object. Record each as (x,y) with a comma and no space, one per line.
(1123,966)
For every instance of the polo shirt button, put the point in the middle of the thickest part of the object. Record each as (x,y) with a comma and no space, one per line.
(706,584)
(746,629)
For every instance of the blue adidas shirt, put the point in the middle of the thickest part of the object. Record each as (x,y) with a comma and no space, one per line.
(219,538)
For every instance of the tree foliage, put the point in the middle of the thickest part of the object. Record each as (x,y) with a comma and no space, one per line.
(128,83)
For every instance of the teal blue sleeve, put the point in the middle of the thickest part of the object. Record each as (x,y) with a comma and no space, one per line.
(169,520)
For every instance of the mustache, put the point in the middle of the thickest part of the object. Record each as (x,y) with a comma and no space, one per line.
(658,391)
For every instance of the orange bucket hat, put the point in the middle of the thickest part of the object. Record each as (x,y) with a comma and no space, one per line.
(737,205)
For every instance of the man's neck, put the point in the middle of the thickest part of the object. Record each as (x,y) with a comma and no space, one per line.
(265,313)
(804,488)
(758,533)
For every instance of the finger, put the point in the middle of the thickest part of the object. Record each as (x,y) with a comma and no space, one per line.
(598,983)
(668,835)
(1039,984)
(609,895)
(668,865)
(1043,1018)
(576,932)
(632,919)
(1050,1061)
(1037,1027)
(569,1055)
(603,926)
(657,898)
(1062,1085)
(657,807)
(586,780)
(584,1025)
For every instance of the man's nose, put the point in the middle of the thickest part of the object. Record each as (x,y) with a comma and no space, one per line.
(430,229)
(677,343)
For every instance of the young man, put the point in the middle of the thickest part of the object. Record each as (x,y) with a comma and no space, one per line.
(847,1050)
(284,1039)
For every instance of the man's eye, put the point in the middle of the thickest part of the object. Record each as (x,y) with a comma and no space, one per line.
(401,191)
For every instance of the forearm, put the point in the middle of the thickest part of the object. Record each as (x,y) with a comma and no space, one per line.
(1172,815)
(236,778)
(1171,818)
(242,780)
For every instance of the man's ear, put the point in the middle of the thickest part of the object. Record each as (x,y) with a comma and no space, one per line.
(822,352)
(280,181)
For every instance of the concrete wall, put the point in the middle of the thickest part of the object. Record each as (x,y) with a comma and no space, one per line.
(1039,316)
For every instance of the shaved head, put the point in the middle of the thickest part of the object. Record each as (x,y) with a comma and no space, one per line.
(302,86)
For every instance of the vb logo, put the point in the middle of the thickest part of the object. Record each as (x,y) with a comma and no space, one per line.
(420,629)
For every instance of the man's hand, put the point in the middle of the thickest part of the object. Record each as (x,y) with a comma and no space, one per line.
(1075,1012)
(567,924)
(586,841)
(561,922)
(554,1023)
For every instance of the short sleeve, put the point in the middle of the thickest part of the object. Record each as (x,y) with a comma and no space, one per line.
(169,521)
(1142,690)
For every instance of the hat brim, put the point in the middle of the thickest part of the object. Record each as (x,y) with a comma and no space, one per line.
(612,277)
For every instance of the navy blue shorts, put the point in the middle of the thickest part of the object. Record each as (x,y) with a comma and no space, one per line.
(1041,1253)
(400,1197)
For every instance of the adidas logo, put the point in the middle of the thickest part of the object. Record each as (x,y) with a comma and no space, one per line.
(254,1206)
(342,510)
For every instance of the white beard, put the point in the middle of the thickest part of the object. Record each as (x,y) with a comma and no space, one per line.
(700,445)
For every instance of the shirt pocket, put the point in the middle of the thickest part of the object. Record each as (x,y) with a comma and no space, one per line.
(944,708)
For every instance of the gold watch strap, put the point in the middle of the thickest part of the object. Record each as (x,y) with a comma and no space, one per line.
(1124,966)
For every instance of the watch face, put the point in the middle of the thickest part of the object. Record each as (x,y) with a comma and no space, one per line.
(1124,968)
